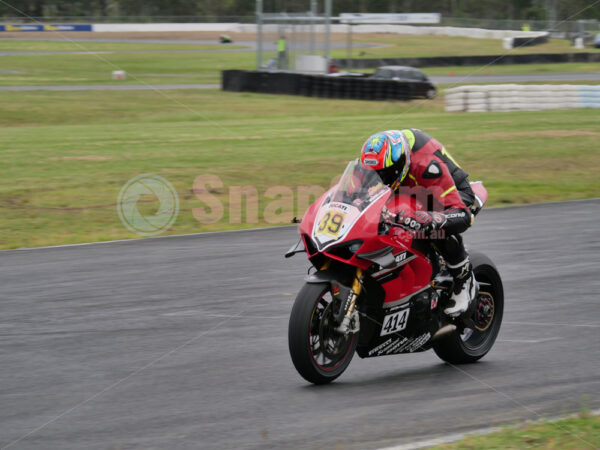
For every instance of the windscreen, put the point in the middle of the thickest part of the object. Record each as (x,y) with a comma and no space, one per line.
(358,188)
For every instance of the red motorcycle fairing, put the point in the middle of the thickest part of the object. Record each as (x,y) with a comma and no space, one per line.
(410,271)
(414,270)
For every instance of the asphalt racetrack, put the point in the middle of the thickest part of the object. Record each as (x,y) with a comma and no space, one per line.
(181,343)
(466,79)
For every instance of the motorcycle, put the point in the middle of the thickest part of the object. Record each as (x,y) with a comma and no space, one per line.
(379,289)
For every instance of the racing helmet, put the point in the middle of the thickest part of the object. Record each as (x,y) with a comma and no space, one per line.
(388,153)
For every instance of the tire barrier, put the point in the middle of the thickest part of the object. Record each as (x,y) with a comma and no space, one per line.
(446,61)
(356,88)
(526,41)
(521,97)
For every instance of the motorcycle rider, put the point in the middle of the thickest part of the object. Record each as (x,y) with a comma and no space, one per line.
(410,158)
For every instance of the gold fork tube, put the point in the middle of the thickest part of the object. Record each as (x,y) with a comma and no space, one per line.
(356,288)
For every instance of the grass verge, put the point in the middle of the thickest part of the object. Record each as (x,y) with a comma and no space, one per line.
(582,432)
(66,155)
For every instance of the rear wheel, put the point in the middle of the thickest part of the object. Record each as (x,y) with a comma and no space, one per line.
(474,343)
(319,353)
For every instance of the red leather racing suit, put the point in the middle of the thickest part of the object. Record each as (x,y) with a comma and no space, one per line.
(436,172)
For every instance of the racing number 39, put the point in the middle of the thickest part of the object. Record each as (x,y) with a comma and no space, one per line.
(332,223)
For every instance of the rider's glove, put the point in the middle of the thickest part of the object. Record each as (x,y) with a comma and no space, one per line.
(421,220)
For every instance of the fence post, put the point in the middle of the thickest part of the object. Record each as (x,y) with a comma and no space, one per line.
(259,37)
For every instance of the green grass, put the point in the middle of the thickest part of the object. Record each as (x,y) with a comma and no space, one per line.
(205,67)
(152,68)
(66,155)
(581,432)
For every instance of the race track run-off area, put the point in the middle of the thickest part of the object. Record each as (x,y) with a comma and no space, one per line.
(181,342)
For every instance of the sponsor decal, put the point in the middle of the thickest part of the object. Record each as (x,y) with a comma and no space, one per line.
(464,271)
(434,302)
(394,348)
(341,206)
(402,345)
(380,346)
(348,300)
(438,218)
(336,290)
(417,343)
(370,162)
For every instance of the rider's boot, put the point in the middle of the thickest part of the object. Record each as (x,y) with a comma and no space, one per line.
(465,288)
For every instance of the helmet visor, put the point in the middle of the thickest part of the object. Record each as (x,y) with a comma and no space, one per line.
(394,173)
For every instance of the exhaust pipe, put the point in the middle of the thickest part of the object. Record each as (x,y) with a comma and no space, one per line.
(443,331)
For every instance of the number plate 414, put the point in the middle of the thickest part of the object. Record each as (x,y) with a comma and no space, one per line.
(393,323)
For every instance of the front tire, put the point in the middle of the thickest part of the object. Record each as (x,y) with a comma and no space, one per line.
(319,353)
(473,344)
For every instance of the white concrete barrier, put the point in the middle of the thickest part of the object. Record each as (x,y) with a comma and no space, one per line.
(521,97)
(150,27)
(335,28)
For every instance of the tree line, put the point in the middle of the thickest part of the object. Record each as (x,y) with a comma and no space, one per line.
(219,9)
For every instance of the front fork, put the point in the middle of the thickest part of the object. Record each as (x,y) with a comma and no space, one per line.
(350,322)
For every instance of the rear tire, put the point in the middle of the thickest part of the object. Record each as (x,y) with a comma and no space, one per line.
(318,352)
(473,345)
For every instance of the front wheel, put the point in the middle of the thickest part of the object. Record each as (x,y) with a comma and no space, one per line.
(474,343)
(319,353)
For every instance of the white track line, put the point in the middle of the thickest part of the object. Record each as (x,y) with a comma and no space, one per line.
(132,240)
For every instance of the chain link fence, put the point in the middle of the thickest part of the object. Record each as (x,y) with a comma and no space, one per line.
(293,42)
